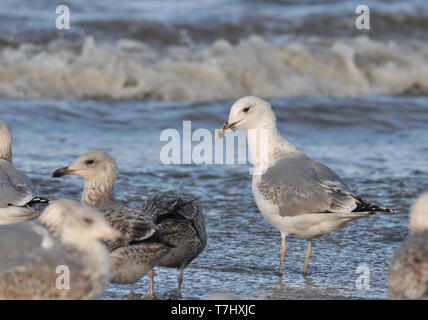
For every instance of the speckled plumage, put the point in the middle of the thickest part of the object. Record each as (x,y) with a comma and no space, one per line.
(408,268)
(34,274)
(128,264)
(5,142)
(136,253)
(25,279)
(182,217)
(141,244)
(133,228)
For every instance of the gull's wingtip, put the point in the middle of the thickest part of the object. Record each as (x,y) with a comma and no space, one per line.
(375,208)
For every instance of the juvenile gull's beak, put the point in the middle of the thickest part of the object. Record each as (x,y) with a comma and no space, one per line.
(225,128)
(62,172)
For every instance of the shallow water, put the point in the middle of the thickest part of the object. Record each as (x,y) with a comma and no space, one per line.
(126,71)
(379,145)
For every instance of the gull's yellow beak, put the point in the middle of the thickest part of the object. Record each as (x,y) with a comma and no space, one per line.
(225,128)
(220,132)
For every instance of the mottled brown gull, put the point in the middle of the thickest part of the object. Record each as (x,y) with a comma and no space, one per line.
(142,244)
(77,268)
(408,269)
(17,195)
(295,194)
(181,217)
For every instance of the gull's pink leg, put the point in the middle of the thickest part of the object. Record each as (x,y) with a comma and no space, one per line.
(180,281)
(282,252)
(131,292)
(307,256)
(152,285)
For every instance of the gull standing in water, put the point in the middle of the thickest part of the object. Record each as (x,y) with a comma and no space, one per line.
(182,218)
(295,194)
(408,269)
(142,244)
(17,195)
(81,256)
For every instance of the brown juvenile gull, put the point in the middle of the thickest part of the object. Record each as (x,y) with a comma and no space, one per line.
(24,237)
(142,244)
(181,217)
(295,194)
(77,268)
(17,196)
(408,269)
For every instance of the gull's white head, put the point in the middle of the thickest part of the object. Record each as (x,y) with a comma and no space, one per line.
(53,215)
(83,224)
(5,142)
(249,113)
(419,214)
(92,166)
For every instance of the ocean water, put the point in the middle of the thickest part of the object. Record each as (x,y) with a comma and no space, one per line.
(126,71)
(211,50)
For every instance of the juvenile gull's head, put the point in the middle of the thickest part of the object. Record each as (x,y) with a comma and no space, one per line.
(84,224)
(419,214)
(53,215)
(98,169)
(5,142)
(249,113)
(91,166)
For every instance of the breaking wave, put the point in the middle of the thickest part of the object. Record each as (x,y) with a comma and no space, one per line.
(130,69)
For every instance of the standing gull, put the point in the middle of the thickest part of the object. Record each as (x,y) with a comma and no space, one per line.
(17,195)
(182,218)
(142,243)
(81,259)
(295,194)
(408,269)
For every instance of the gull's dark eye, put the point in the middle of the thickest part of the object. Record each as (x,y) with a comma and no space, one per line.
(89,161)
(246,109)
(88,221)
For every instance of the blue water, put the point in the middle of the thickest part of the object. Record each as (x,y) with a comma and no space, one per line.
(125,71)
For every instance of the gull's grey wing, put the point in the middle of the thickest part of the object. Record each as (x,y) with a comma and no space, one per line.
(299,185)
(22,238)
(15,187)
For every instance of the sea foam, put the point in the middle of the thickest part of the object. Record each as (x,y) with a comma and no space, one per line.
(129,69)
